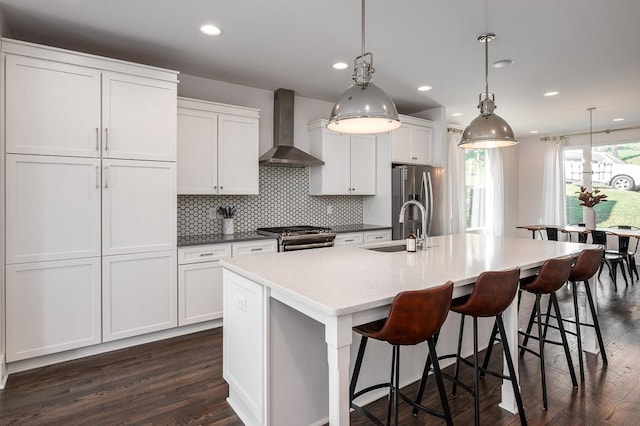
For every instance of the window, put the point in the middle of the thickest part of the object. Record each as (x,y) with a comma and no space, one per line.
(475,186)
(616,173)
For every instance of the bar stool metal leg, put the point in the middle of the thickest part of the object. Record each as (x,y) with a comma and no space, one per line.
(576,311)
(596,323)
(456,371)
(512,370)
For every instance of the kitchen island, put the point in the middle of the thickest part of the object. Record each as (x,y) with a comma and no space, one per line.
(288,318)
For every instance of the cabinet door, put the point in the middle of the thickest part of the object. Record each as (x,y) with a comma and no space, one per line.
(138,294)
(52,307)
(401,145)
(197,152)
(336,172)
(237,155)
(421,145)
(363,164)
(244,342)
(199,292)
(51,108)
(138,117)
(138,206)
(52,208)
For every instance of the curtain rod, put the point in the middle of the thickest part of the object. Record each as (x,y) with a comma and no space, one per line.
(452,130)
(607,131)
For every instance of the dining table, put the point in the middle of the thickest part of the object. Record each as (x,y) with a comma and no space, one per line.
(577,229)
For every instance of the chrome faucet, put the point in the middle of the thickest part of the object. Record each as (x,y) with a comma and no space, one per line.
(423,212)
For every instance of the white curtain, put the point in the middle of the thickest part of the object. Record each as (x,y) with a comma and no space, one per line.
(455,190)
(494,206)
(553,184)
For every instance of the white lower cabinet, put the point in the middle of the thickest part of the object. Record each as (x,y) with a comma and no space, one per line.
(355,238)
(138,294)
(348,238)
(200,283)
(200,277)
(377,236)
(52,307)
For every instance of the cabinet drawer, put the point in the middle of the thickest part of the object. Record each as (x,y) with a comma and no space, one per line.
(199,254)
(377,236)
(254,247)
(349,239)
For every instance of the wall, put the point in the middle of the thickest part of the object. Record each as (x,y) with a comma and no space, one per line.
(283,200)
(305,110)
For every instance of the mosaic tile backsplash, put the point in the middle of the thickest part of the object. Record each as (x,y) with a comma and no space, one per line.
(283,200)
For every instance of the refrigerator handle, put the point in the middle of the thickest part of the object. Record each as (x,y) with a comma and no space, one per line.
(427,188)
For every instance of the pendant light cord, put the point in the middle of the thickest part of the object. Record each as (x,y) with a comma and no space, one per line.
(486,67)
(363,28)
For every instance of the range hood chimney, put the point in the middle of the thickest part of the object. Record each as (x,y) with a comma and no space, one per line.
(283,152)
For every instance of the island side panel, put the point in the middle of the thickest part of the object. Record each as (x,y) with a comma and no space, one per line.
(245,348)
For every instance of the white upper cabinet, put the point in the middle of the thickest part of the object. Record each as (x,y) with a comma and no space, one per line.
(350,162)
(51,108)
(66,103)
(138,118)
(138,206)
(217,148)
(411,143)
(52,208)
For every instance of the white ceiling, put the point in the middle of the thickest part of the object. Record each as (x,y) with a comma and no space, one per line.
(588,50)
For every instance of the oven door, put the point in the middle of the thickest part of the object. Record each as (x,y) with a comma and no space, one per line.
(305,242)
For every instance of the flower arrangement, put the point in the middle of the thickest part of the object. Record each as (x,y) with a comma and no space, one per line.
(590,198)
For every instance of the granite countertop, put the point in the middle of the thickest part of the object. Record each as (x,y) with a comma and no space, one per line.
(196,240)
(356,227)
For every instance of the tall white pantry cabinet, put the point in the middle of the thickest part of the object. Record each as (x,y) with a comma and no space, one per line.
(90,187)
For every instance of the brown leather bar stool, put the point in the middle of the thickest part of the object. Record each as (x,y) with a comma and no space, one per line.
(553,275)
(415,317)
(586,267)
(492,293)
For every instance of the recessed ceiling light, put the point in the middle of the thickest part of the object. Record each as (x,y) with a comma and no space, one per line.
(618,119)
(456,114)
(340,66)
(502,63)
(533,132)
(211,30)
(552,93)
(424,88)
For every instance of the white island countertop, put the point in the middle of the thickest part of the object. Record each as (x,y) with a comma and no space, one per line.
(283,310)
(342,280)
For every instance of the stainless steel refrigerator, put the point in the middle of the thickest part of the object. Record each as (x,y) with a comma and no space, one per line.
(421,183)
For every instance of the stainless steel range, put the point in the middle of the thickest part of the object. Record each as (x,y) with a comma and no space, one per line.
(300,237)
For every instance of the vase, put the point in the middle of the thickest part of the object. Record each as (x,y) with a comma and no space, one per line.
(589,217)
(227,226)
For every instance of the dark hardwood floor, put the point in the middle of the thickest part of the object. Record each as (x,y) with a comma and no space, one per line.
(179,381)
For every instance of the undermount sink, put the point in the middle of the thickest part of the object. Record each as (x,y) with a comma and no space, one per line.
(389,249)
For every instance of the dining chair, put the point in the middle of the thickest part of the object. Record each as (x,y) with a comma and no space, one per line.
(552,233)
(624,248)
(612,259)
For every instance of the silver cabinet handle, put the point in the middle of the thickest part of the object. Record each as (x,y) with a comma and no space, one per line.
(349,241)
(97,177)
(106,139)
(206,254)
(256,249)
(215,186)
(377,237)
(97,139)
(106,180)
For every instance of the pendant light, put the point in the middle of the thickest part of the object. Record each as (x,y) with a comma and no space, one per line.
(364,108)
(488,130)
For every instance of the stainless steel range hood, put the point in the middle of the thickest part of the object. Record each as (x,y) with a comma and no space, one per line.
(283,152)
